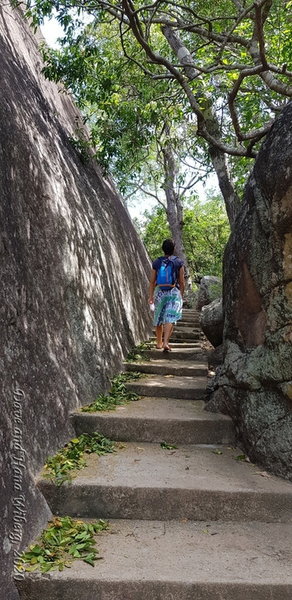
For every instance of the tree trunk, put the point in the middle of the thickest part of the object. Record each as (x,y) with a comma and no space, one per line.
(231,199)
(174,208)
(218,157)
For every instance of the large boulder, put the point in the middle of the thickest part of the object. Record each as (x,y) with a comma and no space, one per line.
(74,279)
(255,387)
(212,321)
(210,289)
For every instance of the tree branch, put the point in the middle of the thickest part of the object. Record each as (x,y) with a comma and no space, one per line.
(260,34)
(153,196)
(186,61)
(210,129)
(241,16)
(255,134)
(276,85)
(238,4)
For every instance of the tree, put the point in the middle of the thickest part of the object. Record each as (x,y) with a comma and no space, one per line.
(227,61)
(205,234)
(165,172)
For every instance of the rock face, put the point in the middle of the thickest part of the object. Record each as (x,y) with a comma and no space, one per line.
(73,281)
(256,384)
(212,321)
(210,289)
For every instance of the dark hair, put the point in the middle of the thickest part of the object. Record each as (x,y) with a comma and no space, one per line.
(168,247)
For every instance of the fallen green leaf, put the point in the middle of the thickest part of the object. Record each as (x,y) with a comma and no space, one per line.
(240,457)
(60,544)
(166,446)
(59,467)
(118,394)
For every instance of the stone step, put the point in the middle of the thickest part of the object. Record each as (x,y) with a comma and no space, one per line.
(176,339)
(185,332)
(179,343)
(175,367)
(183,344)
(156,419)
(145,481)
(182,333)
(178,353)
(189,319)
(161,560)
(170,386)
(188,323)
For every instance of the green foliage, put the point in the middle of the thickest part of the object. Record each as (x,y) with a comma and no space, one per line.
(205,233)
(83,147)
(60,467)
(215,291)
(139,353)
(240,168)
(123,109)
(240,457)
(64,540)
(154,231)
(127,95)
(166,446)
(105,67)
(118,394)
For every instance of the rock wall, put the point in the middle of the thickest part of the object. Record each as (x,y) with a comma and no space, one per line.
(73,281)
(256,384)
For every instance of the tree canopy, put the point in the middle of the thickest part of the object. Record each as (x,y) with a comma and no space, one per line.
(171,87)
(227,62)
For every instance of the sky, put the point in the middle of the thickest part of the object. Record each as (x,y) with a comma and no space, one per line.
(52,30)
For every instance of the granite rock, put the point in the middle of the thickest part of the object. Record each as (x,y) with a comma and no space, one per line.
(73,281)
(255,386)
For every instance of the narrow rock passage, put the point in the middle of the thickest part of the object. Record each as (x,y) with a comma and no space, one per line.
(189,521)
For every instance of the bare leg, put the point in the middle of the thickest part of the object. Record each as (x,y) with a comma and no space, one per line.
(168,328)
(159,333)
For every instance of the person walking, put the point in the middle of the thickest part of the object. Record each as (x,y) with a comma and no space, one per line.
(166,293)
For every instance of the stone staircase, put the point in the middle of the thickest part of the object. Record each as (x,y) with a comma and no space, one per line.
(187,523)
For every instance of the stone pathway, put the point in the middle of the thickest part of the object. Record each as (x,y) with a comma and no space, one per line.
(187,523)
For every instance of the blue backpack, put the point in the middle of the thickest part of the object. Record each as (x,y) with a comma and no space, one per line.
(166,274)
